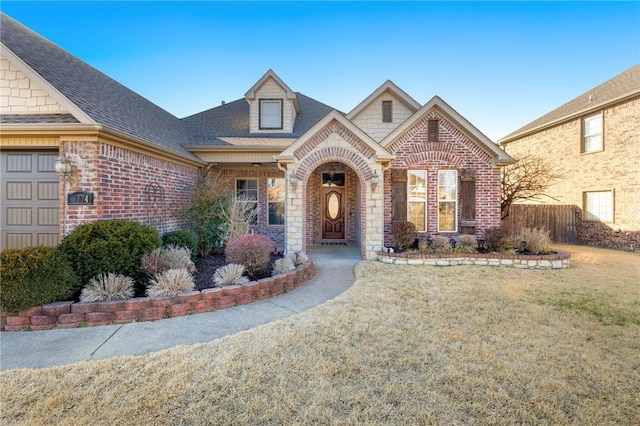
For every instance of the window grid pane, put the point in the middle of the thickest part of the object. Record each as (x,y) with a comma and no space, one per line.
(447,200)
(592,133)
(248,189)
(275,201)
(598,206)
(270,114)
(417,198)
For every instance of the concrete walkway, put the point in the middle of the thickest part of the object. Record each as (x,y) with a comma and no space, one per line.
(37,349)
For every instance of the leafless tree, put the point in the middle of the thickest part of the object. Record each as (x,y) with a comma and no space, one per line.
(527,180)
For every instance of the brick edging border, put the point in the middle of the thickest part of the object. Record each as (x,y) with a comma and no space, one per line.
(77,314)
(557,260)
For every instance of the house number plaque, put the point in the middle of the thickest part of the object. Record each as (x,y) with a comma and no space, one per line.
(80,198)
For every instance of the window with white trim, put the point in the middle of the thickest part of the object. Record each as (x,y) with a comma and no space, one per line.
(592,133)
(270,114)
(417,198)
(447,200)
(598,206)
(275,201)
(247,194)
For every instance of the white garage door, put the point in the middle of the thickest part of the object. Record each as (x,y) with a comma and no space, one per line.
(29,195)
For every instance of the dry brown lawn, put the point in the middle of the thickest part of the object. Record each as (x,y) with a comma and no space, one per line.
(405,345)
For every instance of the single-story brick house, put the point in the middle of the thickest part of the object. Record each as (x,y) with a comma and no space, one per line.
(315,174)
(594,140)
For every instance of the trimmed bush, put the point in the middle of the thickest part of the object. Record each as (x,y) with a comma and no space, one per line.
(440,244)
(404,234)
(497,240)
(186,239)
(467,242)
(282,266)
(171,283)
(114,246)
(252,251)
(35,276)
(163,259)
(230,274)
(536,241)
(107,287)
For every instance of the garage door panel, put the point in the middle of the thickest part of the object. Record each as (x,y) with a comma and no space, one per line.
(47,190)
(29,191)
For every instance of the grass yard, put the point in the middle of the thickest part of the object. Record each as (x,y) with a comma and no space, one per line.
(405,345)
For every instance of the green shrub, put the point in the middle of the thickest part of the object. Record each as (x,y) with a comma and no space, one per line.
(109,246)
(35,276)
(536,241)
(404,234)
(252,251)
(181,238)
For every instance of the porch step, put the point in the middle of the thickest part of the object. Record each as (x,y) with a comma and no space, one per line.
(333,242)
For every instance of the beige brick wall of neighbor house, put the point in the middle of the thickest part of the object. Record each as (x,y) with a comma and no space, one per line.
(370,118)
(616,169)
(272,90)
(19,94)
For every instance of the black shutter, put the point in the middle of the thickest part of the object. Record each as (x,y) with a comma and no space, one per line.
(432,127)
(387,116)
(467,201)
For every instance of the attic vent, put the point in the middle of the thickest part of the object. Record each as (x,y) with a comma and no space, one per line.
(386,112)
(432,128)
(222,102)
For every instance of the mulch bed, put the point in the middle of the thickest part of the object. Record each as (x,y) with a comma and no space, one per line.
(207,267)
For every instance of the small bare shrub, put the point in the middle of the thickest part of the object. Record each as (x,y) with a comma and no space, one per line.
(238,217)
(497,240)
(404,234)
(107,287)
(163,259)
(282,266)
(252,251)
(467,242)
(536,241)
(170,283)
(230,274)
(301,258)
(440,243)
(423,246)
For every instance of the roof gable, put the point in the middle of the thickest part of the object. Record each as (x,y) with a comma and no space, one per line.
(623,86)
(386,86)
(500,157)
(290,94)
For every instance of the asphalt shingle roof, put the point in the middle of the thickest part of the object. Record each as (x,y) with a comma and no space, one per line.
(37,118)
(106,101)
(232,120)
(625,83)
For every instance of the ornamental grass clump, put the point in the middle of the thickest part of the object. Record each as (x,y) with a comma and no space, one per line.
(181,238)
(171,283)
(230,274)
(467,242)
(163,259)
(536,241)
(440,244)
(251,250)
(108,287)
(282,266)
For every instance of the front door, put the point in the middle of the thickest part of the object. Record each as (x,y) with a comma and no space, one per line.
(333,213)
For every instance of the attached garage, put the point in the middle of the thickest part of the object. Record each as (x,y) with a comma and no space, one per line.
(29,195)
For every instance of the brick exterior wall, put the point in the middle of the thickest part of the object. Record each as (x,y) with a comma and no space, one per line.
(118,178)
(452,151)
(613,169)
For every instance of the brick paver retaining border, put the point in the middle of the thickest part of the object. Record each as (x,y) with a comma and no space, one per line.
(76,314)
(557,260)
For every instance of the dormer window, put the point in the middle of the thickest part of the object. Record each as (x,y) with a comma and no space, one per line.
(270,114)
(387,116)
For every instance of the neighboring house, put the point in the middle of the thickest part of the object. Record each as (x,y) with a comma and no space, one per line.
(314,174)
(594,140)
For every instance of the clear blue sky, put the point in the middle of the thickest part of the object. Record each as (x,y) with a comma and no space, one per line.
(499,64)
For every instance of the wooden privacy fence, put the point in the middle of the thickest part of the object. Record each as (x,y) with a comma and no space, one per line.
(559,220)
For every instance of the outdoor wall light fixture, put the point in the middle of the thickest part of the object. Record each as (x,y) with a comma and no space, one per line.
(63,167)
(293,179)
(375,180)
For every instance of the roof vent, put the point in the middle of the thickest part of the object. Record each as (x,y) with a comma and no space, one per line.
(222,102)
(590,99)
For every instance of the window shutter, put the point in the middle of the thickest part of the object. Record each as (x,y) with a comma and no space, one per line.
(432,127)
(387,116)
(467,201)
(399,195)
